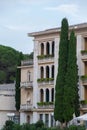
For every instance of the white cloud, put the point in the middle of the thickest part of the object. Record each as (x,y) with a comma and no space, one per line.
(72,9)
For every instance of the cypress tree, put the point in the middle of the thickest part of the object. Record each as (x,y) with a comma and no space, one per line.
(71,98)
(60,81)
(17,85)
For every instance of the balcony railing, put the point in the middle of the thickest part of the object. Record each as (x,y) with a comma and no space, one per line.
(83,104)
(84,79)
(45,105)
(26,107)
(26,84)
(45,58)
(45,81)
(27,62)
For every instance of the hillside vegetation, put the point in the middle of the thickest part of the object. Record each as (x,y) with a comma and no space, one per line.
(8,63)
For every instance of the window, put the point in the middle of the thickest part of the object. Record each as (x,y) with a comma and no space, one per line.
(41,95)
(47,95)
(47,120)
(42,49)
(41,117)
(52,120)
(42,72)
(47,71)
(52,94)
(52,71)
(47,48)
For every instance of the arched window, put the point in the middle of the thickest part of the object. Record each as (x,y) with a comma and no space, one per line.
(47,95)
(53,48)
(42,49)
(47,71)
(52,94)
(47,48)
(42,72)
(41,95)
(52,71)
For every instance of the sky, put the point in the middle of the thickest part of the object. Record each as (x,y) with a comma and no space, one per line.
(20,17)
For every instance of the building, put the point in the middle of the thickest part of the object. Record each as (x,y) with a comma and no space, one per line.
(7,103)
(38,77)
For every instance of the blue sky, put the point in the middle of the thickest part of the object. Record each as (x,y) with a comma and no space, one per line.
(19,17)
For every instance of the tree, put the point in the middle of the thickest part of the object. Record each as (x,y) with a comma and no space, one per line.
(17,85)
(62,68)
(71,98)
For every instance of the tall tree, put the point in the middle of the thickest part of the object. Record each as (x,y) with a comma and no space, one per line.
(71,97)
(62,68)
(17,85)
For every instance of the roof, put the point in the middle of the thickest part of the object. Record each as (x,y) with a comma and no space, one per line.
(7,86)
(54,30)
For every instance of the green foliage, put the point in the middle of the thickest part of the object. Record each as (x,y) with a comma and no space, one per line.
(84,52)
(17,85)
(83,102)
(17,127)
(44,56)
(44,103)
(45,79)
(71,80)
(39,124)
(62,63)
(83,77)
(8,125)
(66,96)
(8,63)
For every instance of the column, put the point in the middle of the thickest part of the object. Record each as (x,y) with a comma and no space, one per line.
(22,118)
(50,47)
(50,72)
(44,71)
(49,121)
(35,117)
(44,118)
(44,48)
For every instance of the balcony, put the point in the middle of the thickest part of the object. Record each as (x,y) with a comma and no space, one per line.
(84,55)
(26,62)
(84,79)
(45,58)
(26,107)
(26,84)
(83,104)
(44,81)
(45,105)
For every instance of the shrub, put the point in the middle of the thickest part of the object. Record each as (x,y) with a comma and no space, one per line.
(73,127)
(8,125)
(39,124)
(17,127)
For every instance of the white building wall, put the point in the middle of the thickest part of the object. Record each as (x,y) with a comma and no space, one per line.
(80,46)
